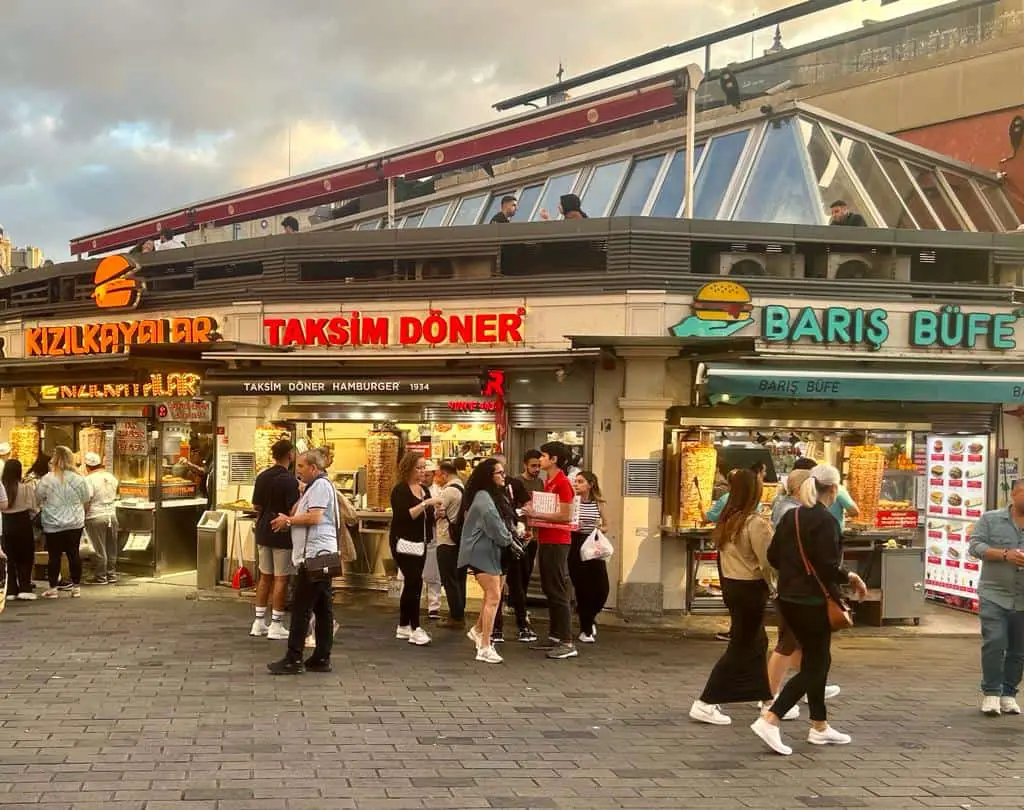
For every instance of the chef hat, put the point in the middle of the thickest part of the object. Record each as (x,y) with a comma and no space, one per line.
(5,449)
(92,460)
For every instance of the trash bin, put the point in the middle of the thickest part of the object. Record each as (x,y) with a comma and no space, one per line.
(212,541)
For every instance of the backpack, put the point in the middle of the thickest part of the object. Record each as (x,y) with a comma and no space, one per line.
(455,526)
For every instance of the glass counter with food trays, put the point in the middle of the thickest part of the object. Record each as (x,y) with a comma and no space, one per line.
(913,497)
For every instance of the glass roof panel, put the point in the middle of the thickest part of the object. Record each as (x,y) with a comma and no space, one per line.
(528,201)
(834,181)
(669,201)
(908,192)
(638,186)
(494,206)
(875,182)
(369,225)
(779,188)
(556,186)
(412,221)
(468,211)
(969,198)
(601,188)
(434,215)
(716,173)
(997,199)
(936,195)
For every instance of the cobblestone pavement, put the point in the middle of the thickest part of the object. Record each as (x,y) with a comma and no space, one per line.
(135,697)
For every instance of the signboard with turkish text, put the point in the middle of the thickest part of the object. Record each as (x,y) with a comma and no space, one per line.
(185,410)
(116,337)
(339,386)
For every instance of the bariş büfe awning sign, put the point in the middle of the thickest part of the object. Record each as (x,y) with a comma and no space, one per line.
(434,329)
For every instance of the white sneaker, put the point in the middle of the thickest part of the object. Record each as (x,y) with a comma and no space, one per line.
(27,596)
(403,632)
(475,636)
(828,737)
(831,691)
(277,631)
(1009,705)
(259,628)
(419,637)
(990,704)
(771,736)
(792,714)
(51,593)
(488,655)
(76,592)
(707,713)
(585,639)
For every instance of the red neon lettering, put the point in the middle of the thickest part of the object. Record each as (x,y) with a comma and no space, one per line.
(410,330)
(485,328)
(510,326)
(375,331)
(274,327)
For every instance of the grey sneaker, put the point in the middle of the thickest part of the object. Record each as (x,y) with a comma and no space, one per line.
(563,651)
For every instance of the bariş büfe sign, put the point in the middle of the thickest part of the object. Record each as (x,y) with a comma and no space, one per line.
(434,329)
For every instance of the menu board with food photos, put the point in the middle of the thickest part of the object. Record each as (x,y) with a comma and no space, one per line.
(957,477)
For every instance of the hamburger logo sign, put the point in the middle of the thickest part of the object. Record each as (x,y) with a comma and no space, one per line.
(719,309)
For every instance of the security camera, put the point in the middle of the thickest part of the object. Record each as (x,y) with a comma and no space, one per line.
(767,109)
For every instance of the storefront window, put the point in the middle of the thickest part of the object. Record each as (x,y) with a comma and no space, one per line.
(864,164)
(905,187)
(669,202)
(997,199)
(494,206)
(557,186)
(970,200)
(716,173)
(834,181)
(936,195)
(638,187)
(434,215)
(779,189)
(601,188)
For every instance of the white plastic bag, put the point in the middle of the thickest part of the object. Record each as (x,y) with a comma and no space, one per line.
(596,547)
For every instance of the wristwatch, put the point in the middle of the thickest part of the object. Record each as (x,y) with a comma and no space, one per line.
(288,523)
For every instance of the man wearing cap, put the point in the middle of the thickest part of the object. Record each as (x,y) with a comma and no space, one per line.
(101,519)
(5,453)
(431,572)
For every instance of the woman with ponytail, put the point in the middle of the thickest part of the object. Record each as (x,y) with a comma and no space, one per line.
(810,532)
(742,537)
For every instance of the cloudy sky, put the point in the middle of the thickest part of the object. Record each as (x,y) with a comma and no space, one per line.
(115,109)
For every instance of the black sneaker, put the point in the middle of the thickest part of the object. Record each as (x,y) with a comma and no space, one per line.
(318,665)
(527,636)
(563,651)
(64,586)
(286,667)
(497,638)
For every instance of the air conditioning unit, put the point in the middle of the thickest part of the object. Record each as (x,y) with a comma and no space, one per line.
(754,265)
(869,266)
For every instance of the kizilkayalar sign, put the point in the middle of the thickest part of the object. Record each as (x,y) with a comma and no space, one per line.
(724,308)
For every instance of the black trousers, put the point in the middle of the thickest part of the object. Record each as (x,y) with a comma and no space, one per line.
(453,580)
(589,581)
(519,574)
(19,545)
(59,543)
(554,579)
(313,597)
(741,674)
(809,623)
(412,587)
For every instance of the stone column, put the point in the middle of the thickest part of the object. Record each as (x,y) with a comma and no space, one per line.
(643,406)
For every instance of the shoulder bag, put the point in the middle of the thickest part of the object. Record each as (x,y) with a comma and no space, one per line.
(414,548)
(839,615)
(327,564)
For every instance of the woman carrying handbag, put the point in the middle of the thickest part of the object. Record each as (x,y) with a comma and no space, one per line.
(807,552)
(742,537)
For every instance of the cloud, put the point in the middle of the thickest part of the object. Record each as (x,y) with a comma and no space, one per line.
(115,109)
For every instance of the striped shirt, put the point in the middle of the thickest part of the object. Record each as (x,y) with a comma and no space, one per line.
(590,516)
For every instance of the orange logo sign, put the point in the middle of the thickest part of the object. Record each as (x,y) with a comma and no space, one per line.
(116,285)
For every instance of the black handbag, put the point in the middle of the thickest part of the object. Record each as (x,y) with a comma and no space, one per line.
(325,565)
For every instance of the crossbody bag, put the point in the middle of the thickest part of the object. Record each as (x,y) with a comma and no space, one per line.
(414,548)
(327,564)
(839,615)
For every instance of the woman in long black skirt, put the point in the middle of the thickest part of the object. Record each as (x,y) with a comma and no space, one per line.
(742,537)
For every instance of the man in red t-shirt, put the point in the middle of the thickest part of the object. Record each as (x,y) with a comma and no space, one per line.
(554,550)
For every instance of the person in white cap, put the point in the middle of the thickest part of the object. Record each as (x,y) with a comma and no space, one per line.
(101,519)
(5,452)
(431,572)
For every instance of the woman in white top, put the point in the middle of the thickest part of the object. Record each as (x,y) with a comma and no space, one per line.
(742,537)
(62,495)
(18,537)
(101,519)
(590,578)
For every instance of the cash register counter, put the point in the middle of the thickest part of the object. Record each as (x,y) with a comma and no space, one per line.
(894,575)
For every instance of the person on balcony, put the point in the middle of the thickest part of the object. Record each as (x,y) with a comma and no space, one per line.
(509,204)
(167,240)
(842,215)
(569,206)
(290,225)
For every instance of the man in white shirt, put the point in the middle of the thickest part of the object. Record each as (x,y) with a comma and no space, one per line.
(101,519)
(167,240)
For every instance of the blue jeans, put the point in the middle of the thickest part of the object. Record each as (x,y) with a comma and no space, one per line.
(1002,649)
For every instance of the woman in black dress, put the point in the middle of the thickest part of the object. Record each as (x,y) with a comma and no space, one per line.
(742,537)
